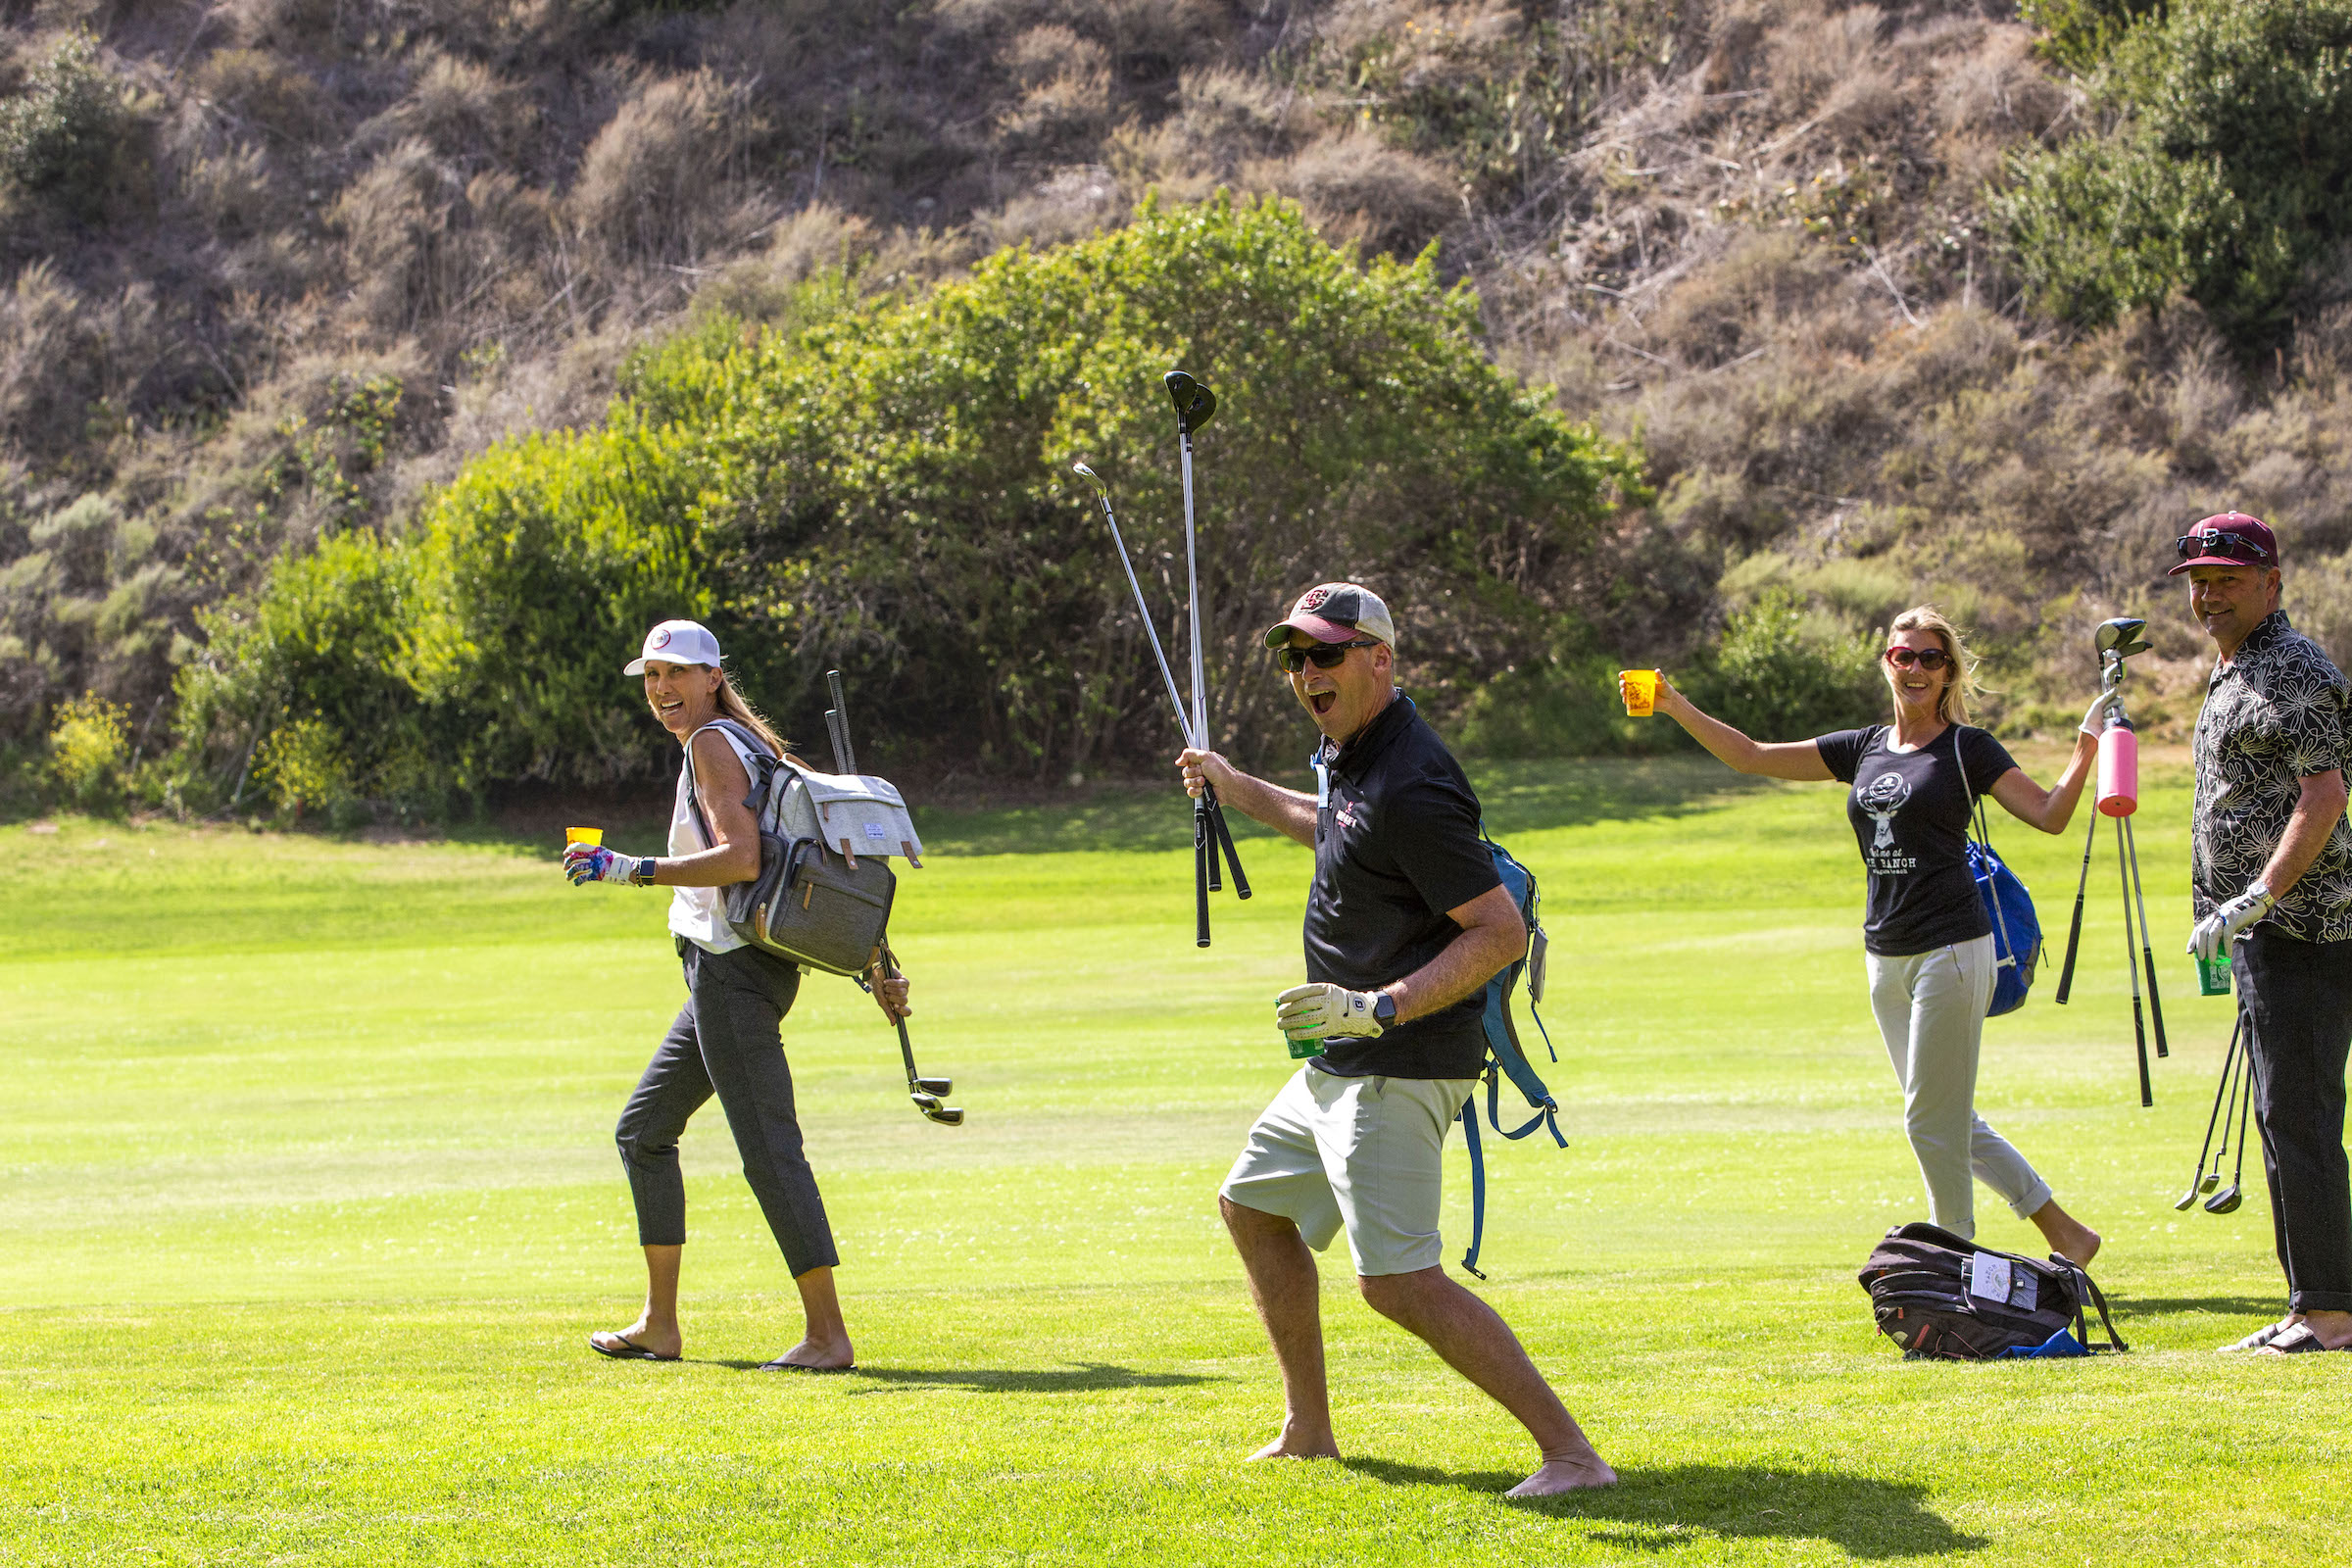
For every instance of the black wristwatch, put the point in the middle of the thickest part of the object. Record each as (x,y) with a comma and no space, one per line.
(643,875)
(1383,1008)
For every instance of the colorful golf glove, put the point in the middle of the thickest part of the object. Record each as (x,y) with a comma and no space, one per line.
(2213,932)
(593,863)
(1319,1008)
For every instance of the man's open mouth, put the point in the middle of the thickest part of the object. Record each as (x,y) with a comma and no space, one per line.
(1321,702)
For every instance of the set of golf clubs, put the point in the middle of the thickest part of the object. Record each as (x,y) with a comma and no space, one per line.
(2237,1087)
(928,1094)
(2116,641)
(1194,404)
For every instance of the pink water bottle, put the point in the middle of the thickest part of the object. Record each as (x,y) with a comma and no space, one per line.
(2119,769)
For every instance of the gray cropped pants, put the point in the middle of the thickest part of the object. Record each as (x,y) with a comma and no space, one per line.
(1930,1011)
(727,1039)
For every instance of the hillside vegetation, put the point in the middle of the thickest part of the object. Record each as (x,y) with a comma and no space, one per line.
(1878,303)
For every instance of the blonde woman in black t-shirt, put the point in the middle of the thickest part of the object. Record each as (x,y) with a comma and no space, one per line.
(1927,936)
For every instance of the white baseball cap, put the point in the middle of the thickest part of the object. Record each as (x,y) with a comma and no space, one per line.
(676,642)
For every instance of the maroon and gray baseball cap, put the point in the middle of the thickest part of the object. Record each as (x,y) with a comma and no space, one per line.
(2227,539)
(1336,612)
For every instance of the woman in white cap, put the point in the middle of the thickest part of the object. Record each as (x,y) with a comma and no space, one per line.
(1927,938)
(727,1038)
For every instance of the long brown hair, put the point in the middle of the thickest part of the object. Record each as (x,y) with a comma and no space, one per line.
(731,704)
(1952,706)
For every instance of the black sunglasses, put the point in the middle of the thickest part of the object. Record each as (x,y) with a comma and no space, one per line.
(1924,658)
(1323,656)
(2213,542)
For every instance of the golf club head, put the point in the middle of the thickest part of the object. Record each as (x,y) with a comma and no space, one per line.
(1194,402)
(936,1086)
(2205,1182)
(2225,1202)
(2121,636)
(1092,478)
(2185,1199)
(947,1115)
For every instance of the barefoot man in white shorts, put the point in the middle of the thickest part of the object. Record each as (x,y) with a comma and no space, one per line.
(1405,923)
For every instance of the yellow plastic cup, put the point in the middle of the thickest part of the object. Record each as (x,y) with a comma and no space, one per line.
(583,835)
(1639,688)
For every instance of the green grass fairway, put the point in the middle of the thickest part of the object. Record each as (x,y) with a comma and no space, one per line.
(311,1200)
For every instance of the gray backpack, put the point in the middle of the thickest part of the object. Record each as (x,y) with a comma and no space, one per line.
(824,893)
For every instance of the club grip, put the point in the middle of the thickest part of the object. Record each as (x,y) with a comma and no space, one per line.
(1201,855)
(2119,771)
(1233,856)
(1204,814)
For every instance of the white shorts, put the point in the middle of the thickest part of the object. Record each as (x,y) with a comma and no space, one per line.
(1362,1153)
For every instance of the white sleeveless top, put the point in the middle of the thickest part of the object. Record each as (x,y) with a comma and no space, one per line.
(700,915)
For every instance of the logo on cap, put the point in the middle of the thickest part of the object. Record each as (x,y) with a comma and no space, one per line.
(1312,600)
(660,639)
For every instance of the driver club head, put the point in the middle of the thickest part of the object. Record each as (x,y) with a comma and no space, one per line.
(2225,1202)
(2121,636)
(1091,477)
(1194,402)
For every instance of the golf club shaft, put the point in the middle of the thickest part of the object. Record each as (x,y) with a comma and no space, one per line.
(2236,1077)
(1233,856)
(2147,957)
(2245,1110)
(1191,576)
(1204,815)
(2213,1120)
(2074,932)
(1142,610)
(2139,1022)
(839,720)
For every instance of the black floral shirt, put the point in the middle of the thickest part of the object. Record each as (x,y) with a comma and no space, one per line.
(2276,714)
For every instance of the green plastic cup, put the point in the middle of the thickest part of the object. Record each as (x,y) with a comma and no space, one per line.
(1301,1050)
(2213,975)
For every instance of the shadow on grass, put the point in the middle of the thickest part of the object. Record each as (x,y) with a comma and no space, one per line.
(1660,1509)
(1087,1377)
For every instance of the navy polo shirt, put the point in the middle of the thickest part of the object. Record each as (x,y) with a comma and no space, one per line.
(1397,845)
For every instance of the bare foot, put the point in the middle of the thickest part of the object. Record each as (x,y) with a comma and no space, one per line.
(819,1355)
(641,1341)
(1577,1474)
(1300,1446)
(2079,1246)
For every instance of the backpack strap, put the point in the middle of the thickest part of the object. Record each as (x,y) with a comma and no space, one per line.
(2007,956)
(1478,1173)
(762,770)
(2087,1294)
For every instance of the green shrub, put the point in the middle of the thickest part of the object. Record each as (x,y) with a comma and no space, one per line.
(1780,676)
(2224,177)
(885,487)
(89,746)
(58,135)
(2080,34)
(304,768)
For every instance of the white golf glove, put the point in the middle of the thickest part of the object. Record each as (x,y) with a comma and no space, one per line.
(2213,932)
(1319,1008)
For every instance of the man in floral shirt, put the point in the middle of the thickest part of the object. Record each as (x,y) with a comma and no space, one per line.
(2272,868)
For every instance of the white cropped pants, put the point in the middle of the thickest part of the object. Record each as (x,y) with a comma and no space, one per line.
(1931,1011)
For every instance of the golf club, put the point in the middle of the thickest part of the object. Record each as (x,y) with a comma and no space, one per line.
(1194,404)
(2200,1181)
(2226,1201)
(1184,726)
(926,1093)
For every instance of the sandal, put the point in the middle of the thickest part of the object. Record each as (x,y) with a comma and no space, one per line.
(2259,1339)
(628,1351)
(2298,1341)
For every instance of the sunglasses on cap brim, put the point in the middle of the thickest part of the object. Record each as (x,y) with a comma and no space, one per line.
(2229,546)
(1323,656)
(1924,658)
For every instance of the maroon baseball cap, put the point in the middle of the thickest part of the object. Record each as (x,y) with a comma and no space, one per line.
(1336,612)
(2227,539)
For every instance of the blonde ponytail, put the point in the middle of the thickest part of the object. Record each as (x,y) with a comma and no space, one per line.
(732,705)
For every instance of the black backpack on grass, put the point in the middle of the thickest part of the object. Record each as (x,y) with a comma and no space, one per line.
(1937,1296)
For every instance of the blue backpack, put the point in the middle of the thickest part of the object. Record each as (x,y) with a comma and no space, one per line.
(2016,928)
(1505,1056)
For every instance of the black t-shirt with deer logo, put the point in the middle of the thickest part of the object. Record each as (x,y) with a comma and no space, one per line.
(1910,815)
